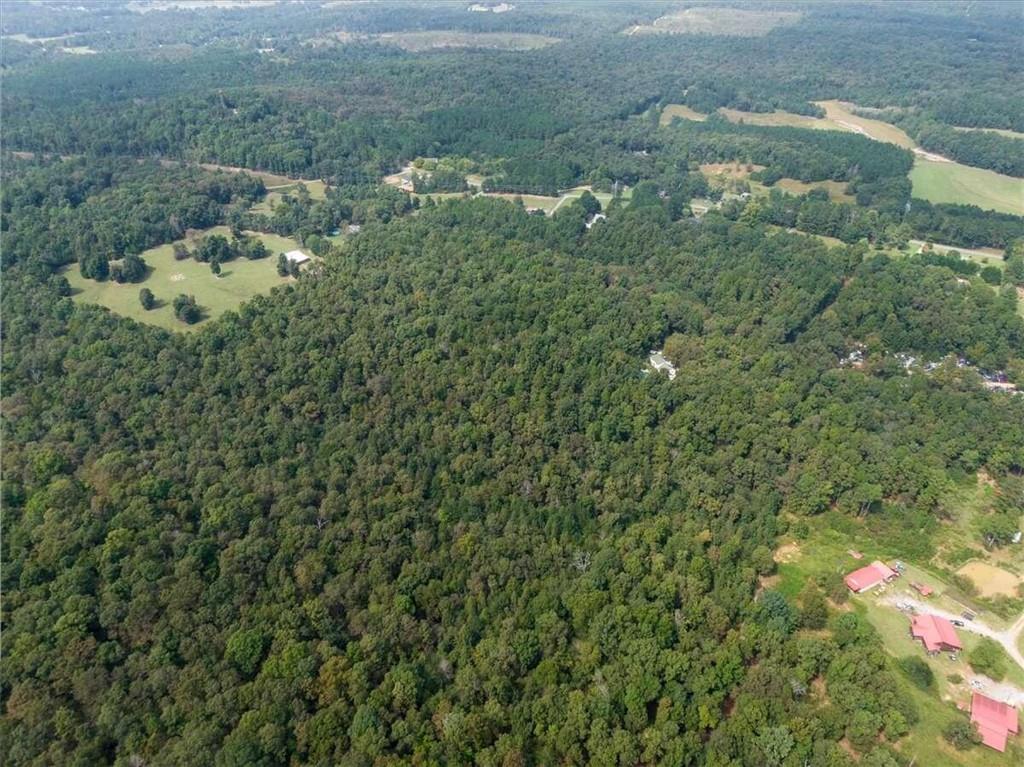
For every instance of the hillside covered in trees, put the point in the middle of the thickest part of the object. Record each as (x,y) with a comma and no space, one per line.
(426,503)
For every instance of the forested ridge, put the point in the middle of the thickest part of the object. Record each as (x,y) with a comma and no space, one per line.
(426,502)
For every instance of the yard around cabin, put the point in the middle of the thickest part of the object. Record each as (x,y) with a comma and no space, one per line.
(240,280)
(826,549)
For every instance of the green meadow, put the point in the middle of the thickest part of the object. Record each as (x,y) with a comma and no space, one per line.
(240,280)
(956,183)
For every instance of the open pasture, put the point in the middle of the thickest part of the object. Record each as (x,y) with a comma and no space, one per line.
(240,280)
(727,22)
(956,183)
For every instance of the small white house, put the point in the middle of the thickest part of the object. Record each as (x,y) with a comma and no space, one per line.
(296,257)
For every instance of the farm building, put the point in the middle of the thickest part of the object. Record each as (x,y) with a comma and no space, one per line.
(995,720)
(922,589)
(937,633)
(868,577)
(296,257)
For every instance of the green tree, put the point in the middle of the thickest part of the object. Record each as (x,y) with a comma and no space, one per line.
(988,658)
(147,299)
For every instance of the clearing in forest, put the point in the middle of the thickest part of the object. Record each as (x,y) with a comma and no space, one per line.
(991,581)
(240,280)
(433,39)
(779,119)
(841,113)
(1001,131)
(672,111)
(836,189)
(727,22)
(729,170)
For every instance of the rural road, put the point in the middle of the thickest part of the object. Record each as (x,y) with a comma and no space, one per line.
(1007,638)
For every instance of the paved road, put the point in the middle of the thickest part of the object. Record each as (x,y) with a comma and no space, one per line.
(1007,638)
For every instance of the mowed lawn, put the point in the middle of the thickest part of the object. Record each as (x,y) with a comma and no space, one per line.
(956,183)
(240,280)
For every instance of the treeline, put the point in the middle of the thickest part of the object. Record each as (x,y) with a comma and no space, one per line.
(964,226)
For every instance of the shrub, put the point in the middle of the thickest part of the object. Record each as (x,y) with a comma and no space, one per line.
(961,734)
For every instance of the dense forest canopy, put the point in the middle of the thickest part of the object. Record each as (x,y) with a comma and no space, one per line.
(425,502)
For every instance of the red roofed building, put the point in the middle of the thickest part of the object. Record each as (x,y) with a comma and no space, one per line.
(994,720)
(937,633)
(870,576)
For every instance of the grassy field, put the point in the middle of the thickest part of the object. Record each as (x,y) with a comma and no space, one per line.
(730,22)
(953,182)
(672,111)
(433,39)
(240,280)
(729,170)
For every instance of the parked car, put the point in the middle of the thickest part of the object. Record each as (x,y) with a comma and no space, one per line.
(957,623)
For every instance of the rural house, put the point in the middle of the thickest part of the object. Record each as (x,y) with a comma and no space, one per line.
(868,577)
(995,720)
(937,633)
(296,257)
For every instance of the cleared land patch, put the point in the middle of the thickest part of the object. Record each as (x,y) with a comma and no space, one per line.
(729,170)
(956,183)
(990,580)
(841,113)
(1000,131)
(503,41)
(779,119)
(836,189)
(728,22)
(672,111)
(240,280)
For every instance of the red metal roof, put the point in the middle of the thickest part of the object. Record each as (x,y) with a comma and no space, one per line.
(995,720)
(936,633)
(867,577)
